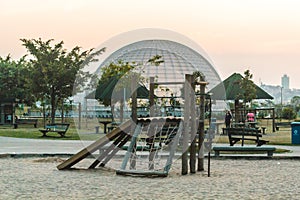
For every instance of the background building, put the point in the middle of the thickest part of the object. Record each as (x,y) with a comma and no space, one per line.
(285,82)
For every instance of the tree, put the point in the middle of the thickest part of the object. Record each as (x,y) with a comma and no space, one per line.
(14,80)
(288,113)
(295,101)
(121,72)
(56,74)
(248,90)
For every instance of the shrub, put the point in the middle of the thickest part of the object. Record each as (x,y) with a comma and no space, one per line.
(288,113)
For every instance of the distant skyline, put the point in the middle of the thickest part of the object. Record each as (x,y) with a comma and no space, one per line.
(260,35)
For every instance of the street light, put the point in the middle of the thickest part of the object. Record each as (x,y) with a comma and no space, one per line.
(281,102)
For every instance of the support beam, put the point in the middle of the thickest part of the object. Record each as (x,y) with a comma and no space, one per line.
(186,127)
(201,128)
(193,125)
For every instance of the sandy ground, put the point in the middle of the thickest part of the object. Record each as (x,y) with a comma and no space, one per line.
(38,178)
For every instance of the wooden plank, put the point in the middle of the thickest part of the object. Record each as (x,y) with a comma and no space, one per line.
(109,157)
(106,152)
(94,146)
(142,173)
(187,124)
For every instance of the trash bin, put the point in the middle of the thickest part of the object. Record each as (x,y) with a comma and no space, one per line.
(295,132)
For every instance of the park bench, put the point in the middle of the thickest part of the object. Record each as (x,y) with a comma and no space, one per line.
(112,126)
(26,121)
(244,133)
(251,149)
(282,124)
(60,128)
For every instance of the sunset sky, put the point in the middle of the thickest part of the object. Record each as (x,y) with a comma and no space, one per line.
(260,35)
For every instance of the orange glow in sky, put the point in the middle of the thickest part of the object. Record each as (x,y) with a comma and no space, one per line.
(260,35)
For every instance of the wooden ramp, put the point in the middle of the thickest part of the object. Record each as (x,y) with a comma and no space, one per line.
(120,135)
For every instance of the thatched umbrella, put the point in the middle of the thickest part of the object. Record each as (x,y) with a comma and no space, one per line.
(105,91)
(230,89)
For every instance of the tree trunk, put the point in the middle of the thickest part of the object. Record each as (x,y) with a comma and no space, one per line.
(53,106)
(62,112)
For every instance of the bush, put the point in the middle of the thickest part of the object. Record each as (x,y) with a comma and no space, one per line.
(289,113)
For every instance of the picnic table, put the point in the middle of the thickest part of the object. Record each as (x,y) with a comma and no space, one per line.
(105,123)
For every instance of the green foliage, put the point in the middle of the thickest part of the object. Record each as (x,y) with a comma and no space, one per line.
(295,102)
(248,91)
(288,113)
(262,114)
(56,74)
(14,80)
(199,75)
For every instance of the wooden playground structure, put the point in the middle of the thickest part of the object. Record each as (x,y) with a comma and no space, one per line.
(152,143)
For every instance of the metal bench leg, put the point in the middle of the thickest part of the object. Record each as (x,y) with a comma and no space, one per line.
(44,133)
(270,153)
(217,153)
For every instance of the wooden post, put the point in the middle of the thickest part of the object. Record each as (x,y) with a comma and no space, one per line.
(273,120)
(193,125)
(208,166)
(151,128)
(236,111)
(151,96)
(186,125)
(201,127)
(133,116)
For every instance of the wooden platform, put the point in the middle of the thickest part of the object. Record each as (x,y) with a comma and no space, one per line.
(249,149)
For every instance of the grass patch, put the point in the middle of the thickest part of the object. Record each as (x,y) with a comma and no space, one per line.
(34,133)
(281,137)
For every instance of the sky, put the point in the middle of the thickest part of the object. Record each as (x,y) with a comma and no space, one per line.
(260,35)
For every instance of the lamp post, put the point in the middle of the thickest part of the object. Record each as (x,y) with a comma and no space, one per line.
(281,102)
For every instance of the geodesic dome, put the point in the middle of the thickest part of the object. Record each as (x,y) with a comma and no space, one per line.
(178,61)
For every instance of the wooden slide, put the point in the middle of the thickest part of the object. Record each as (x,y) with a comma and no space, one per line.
(120,135)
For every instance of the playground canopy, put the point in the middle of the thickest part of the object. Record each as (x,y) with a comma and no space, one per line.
(232,89)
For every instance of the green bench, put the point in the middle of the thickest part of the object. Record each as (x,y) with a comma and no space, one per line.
(25,121)
(60,128)
(244,133)
(282,124)
(218,149)
(112,126)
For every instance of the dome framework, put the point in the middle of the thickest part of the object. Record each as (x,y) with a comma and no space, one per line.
(178,61)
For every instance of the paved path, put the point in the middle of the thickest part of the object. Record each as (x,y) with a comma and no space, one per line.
(20,146)
(38,146)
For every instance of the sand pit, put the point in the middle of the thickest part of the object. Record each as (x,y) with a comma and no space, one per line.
(38,178)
